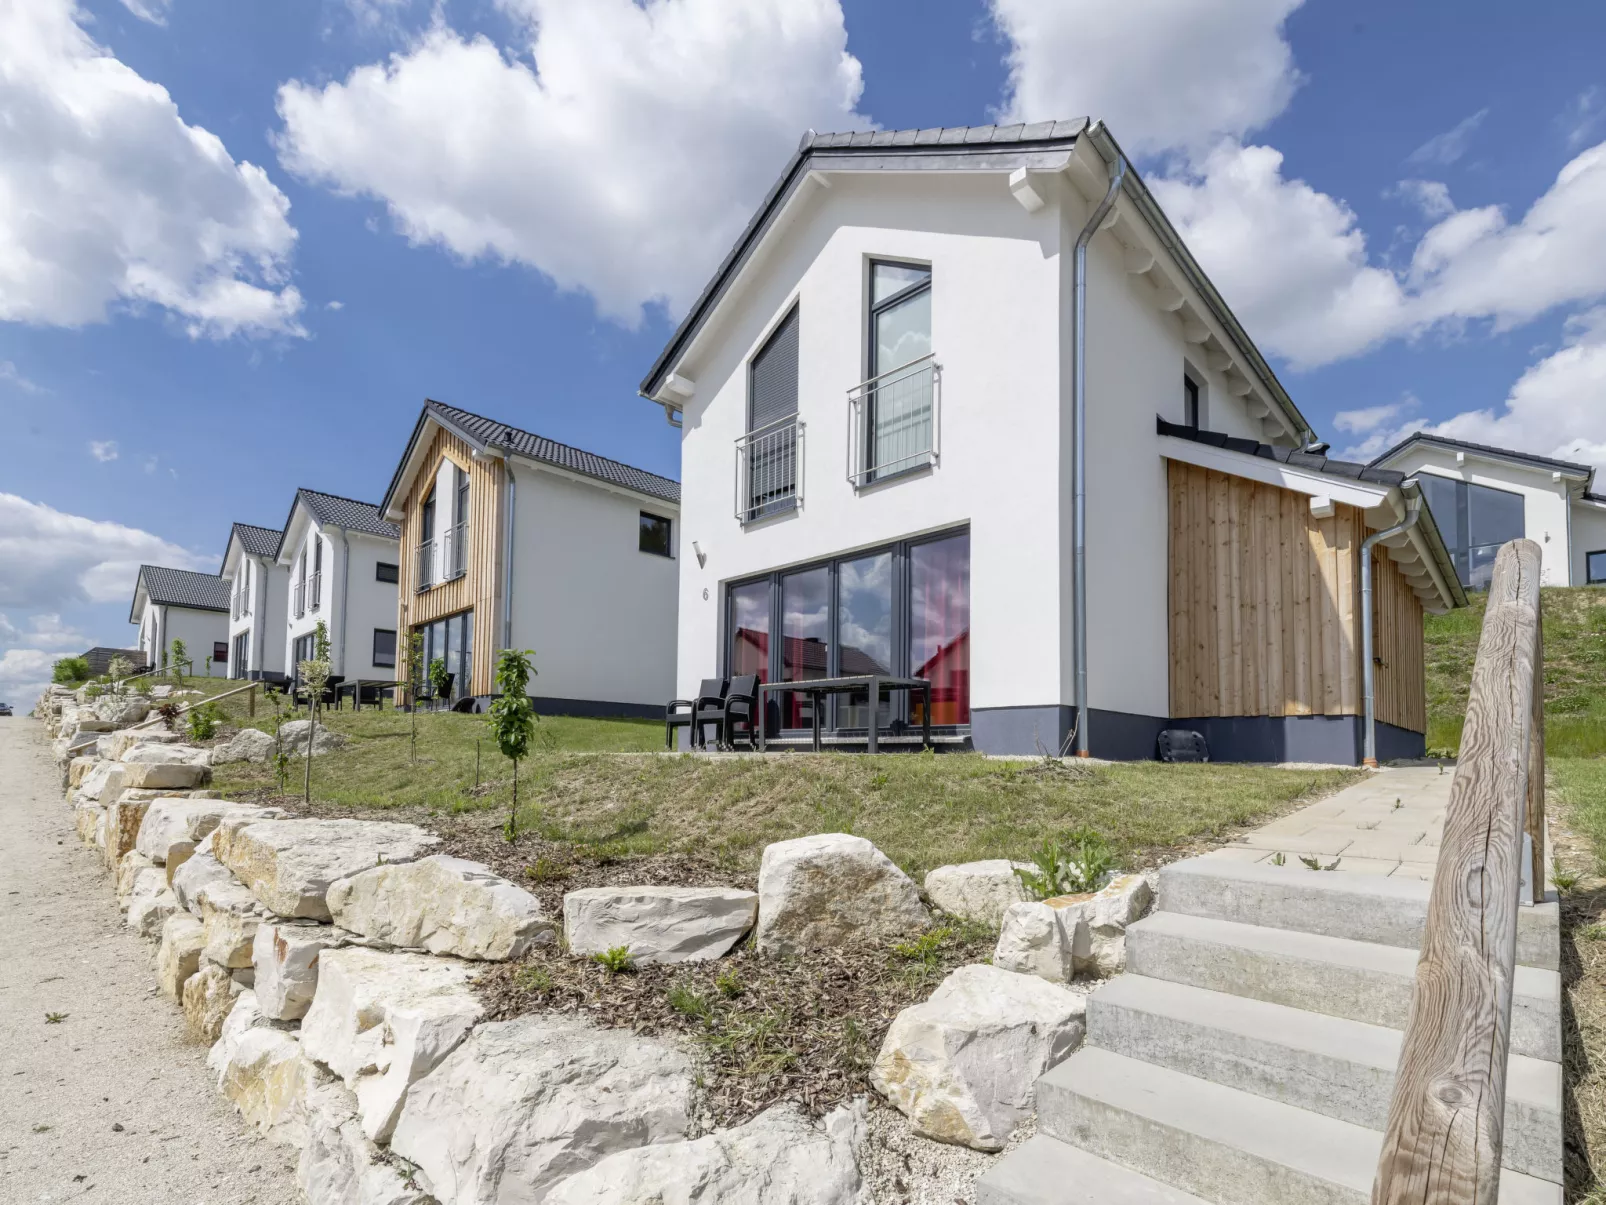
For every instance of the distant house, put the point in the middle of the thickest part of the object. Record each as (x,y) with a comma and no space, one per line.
(512,540)
(100,659)
(176,604)
(1483,496)
(878,395)
(340,562)
(256,601)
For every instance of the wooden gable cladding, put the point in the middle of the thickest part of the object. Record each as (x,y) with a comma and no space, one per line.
(1265,606)
(481,586)
(1400,675)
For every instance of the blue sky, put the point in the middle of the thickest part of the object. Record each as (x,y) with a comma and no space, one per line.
(240,244)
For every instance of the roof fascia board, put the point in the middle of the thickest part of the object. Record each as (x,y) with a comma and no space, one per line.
(300,516)
(1275,472)
(612,487)
(407,467)
(1516,459)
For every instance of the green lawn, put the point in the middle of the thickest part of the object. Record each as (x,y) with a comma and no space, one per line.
(595,784)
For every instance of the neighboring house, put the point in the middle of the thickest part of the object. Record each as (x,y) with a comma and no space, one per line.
(885,368)
(510,540)
(176,604)
(256,601)
(341,566)
(1483,496)
(100,659)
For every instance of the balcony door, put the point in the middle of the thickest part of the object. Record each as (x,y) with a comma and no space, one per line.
(898,409)
(771,446)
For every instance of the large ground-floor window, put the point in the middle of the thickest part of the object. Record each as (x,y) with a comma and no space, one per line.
(452,640)
(1474,521)
(899,611)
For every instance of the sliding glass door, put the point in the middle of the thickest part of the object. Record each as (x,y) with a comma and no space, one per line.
(450,640)
(939,626)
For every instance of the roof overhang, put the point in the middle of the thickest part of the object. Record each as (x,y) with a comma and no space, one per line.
(1556,470)
(429,421)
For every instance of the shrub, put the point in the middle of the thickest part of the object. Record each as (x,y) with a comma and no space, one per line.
(119,669)
(69,671)
(1082,864)
(170,712)
(204,721)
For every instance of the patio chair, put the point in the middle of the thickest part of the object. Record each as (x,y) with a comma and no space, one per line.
(711,693)
(740,711)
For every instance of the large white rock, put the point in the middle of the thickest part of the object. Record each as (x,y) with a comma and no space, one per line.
(383,1021)
(1043,938)
(164,776)
(150,903)
(977,891)
(122,742)
(179,955)
(78,768)
(963,1066)
(1103,917)
(172,820)
(162,753)
(230,915)
(778,1158)
(294,735)
(123,819)
(208,996)
(128,873)
(832,889)
(267,1078)
(290,864)
(122,710)
(285,956)
(105,779)
(194,874)
(248,744)
(522,1104)
(658,924)
(339,1164)
(442,904)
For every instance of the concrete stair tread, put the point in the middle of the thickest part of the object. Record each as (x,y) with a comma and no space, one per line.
(1213,1135)
(1046,1171)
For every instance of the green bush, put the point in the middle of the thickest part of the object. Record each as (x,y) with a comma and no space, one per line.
(70,671)
(204,721)
(1058,870)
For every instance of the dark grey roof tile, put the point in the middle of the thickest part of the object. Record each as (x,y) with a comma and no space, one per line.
(332,510)
(258,541)
(182,588)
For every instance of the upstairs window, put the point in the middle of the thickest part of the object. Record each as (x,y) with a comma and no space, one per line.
(768,456)
(892,412)
(655,534)
(384,571)
(1191,416)
(1474,521)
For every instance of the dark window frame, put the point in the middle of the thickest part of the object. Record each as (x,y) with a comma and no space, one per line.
(1456,529)
(901,620)
(642,528)
(377,660)
(379,572)
(220,652)
(1192,402)
(1589,578)
(873,309)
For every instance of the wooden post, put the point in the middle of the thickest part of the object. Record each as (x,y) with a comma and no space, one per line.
(251,701)
(1445,1126)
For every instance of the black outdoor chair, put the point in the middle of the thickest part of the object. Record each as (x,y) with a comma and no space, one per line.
(738,710)
(710,693)
(467,705)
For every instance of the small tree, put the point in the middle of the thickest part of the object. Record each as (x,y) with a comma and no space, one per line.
(440,682)
(415,677)
(512,719)
(119,669)
(314,676)
(175,660)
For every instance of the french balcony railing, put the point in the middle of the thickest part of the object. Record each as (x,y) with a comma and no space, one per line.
(424,577)
(454,552)
(893,422)
(769,469)
(315,588)
(299,599)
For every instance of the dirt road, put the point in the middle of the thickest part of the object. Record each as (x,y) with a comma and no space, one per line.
(109,1102)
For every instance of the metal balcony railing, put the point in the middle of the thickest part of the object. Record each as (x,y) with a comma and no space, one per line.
(454,551)
(315,586)
(892,422)
(424,577)
(299,599)
(769,469)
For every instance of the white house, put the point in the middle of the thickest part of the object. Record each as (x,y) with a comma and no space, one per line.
(340,564)
(511,540)
(879,400)
(257,588)
(176,604)
(1484,496)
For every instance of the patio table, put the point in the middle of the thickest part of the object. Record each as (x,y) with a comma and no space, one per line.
(869,684)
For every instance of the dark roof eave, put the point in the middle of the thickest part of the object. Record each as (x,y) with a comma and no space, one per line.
(1585,471)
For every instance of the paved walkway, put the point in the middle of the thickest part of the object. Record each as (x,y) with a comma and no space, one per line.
(111,1103)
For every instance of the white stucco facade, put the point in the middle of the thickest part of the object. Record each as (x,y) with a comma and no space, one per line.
(162,623)
(257,597)
(333,574)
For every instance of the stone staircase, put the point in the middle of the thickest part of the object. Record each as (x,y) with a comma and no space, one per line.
(1247,1056)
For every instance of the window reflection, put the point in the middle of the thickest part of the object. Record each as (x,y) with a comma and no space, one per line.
(750,630)
(939,626)
(806,632)
(1474,520)
(864,627)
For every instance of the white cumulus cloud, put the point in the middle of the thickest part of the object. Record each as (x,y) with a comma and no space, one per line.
(108,199)
(103,449)
(619,147)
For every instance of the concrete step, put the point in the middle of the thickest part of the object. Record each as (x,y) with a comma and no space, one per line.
(1332,1066)
(1046,1171)
(1226,1146)
(1362,907)
(1357,980)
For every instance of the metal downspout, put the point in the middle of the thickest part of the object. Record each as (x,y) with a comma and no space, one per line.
(345,577)
(507,554)
(1079,453)
(1368,666)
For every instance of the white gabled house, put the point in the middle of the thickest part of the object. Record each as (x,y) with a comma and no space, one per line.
(1483,496)
(511,540)
(883,471)
(256,601)
(177,604)
(340,561)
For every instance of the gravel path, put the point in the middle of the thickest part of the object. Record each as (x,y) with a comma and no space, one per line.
(111,1103)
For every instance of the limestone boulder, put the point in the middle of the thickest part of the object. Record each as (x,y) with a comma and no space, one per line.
(164,776)
(1045,938)
(977,891)
(444,905)
(230,915)
(178,956)
(78,767)
(382,1021)
(339,1164)
(1102,918)
(294,735)
(122,742)
(176,820)
(291,864)
(128,871)
(267,1078)
(150,903)
(285,956)
(123,819)
(207,998)
(103,779)
(778,1158)
(658,924)
(161,753)
(122,710)
(531,1101)
(191,876)
(833,890)
(963,1066)
(248,744)
(88,820)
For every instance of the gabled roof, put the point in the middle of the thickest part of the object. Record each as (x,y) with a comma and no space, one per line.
(483,433)
(257,541)
(181,588)
(1043,145)
(1545,463)
(331,510)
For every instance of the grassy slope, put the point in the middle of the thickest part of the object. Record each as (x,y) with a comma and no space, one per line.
(594,782)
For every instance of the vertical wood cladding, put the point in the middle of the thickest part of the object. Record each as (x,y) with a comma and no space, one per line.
(1265,607)
(481,586)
